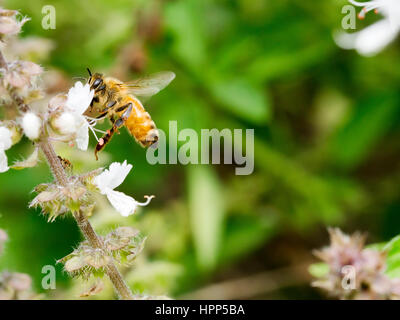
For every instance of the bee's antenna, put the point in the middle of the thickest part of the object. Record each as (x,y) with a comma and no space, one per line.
(90,74)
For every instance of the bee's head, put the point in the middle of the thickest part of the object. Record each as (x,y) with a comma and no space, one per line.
(95,80)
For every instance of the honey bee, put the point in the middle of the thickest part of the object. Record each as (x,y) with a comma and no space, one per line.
(118,101)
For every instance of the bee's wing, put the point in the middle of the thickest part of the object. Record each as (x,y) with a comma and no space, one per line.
(148,86)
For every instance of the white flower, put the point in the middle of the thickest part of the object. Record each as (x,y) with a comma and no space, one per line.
(79,97)
(65,123)
(73,120)
(376,37)
(31,124)
(108,180)
(5,144)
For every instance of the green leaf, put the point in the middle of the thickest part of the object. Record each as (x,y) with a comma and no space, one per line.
(286,62)
(393,257)
(242,98)
(206,209)
(370,121)
(184,20)
(244,234)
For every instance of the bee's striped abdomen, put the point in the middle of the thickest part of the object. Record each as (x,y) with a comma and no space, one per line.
(140,124)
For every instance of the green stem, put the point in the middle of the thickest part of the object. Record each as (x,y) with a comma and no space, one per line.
(62,179)
(83,223)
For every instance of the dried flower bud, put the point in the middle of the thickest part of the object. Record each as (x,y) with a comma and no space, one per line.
(125,244)
(9,22)
(15,286)
(16,79)
(9,25)
(29,68)
(32,125)
(20,74)
(86,261)
(8,13)
(96,258)
(57,103)
(56,200)
(74,264)
(20,281)
(121,245)
(346,252)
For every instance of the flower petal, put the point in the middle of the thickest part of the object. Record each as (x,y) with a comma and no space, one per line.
(124,204)
(5,138)
(112,177)
(82,136)
(79,97)
(3,161)
(65,123)
(370,40)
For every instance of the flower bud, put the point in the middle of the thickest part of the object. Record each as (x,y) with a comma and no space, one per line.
(85,261)
(348,252)
(9,23)
(20,281)
(64,123)
(21,74)
(31,124)
(16,286)
(15,130)
(57,103)
(30,68)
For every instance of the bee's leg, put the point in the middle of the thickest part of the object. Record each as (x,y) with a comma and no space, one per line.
(124,107)
(109,105)
(120,121)
(116,125)
(103,141)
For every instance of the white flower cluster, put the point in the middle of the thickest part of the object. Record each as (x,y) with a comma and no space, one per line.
(71,121)
(373,39)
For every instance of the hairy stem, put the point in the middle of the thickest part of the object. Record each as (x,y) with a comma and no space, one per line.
(83,223)
(111,270)
(62,179)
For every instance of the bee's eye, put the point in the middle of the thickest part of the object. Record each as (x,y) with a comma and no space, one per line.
(96,83)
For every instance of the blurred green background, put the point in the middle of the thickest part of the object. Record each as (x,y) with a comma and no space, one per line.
(326,142)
